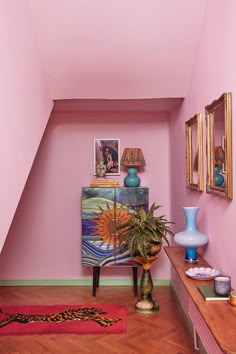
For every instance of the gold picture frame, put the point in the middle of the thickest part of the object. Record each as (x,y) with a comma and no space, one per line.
(194,153)
(219,155)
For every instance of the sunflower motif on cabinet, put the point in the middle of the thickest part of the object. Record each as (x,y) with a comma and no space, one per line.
(103,209)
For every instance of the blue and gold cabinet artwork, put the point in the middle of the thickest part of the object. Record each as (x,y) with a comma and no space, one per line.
(103,209)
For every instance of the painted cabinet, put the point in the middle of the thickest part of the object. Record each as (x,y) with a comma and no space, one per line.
(103,209)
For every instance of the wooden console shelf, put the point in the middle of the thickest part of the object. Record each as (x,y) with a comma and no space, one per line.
(213,321)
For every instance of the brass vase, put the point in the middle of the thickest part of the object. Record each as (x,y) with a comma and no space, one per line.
(100,168)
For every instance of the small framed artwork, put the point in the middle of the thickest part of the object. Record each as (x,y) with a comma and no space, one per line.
(108,150)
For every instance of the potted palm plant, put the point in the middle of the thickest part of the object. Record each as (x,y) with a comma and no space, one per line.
(144,234)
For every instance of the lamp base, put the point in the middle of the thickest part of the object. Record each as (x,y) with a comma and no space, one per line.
(132,180)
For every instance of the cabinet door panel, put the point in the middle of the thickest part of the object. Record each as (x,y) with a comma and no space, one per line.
(95,248)
(102,210)
(133,197)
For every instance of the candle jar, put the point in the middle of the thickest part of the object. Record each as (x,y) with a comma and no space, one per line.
(232,298)
(222,285)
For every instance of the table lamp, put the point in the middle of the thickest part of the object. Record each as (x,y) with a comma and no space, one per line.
(132,158)
(219,163)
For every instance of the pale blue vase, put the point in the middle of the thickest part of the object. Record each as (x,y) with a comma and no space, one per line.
(190,237)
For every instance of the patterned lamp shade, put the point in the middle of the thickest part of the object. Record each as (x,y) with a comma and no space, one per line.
(219,156)
(132,157)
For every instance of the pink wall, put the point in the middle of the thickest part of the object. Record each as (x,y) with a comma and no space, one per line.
(25,105)
(214,73)
(44,241)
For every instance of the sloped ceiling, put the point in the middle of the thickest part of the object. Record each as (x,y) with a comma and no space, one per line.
(118,49)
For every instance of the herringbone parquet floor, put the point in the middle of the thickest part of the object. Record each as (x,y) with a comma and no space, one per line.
(163,332)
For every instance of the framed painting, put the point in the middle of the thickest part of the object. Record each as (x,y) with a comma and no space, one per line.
(219,150)
(108,150)
(194,152)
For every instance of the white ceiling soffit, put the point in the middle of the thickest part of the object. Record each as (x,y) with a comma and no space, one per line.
(118,49)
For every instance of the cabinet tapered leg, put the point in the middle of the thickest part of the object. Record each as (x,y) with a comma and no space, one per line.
(135,280)
(96,275)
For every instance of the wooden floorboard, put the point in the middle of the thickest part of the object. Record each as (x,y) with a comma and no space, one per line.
(163,332)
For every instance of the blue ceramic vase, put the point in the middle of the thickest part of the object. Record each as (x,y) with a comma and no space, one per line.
(219,179)
(190,237)
(132,180)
